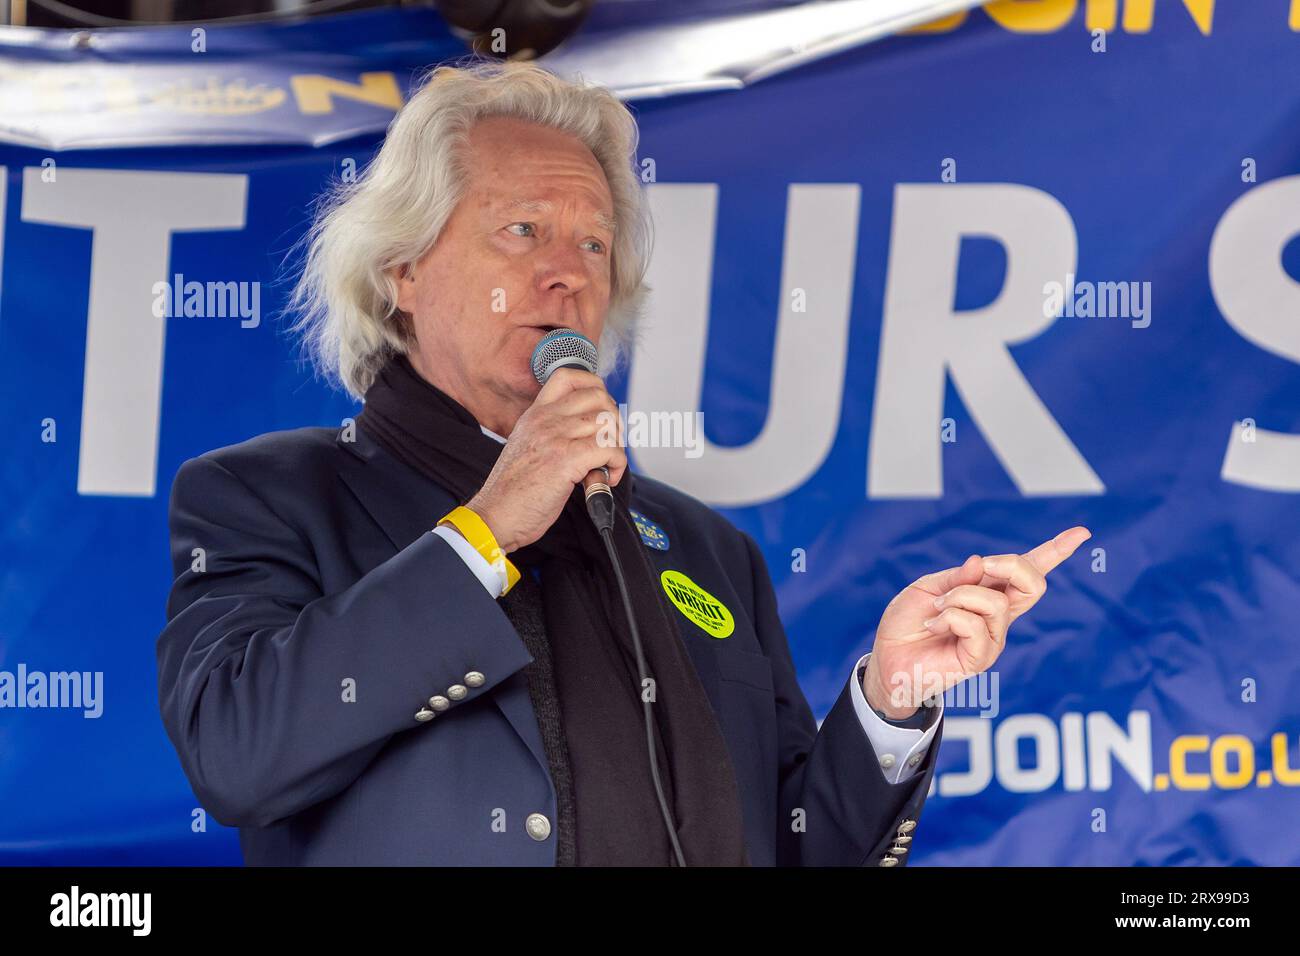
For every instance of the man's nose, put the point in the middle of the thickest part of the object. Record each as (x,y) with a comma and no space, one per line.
(562,268)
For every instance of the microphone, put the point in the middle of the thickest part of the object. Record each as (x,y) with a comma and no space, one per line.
(565,348)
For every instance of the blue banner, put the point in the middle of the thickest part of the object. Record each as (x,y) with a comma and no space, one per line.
(952,292)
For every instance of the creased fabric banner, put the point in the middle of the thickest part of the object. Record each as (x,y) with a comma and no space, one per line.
(1033,266)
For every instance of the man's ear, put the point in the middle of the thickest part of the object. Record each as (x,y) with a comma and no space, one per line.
(403,277)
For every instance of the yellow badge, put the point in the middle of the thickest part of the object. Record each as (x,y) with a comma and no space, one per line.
(698,604)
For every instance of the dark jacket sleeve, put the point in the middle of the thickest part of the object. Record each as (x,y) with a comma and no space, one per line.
(835,806)
(254,661)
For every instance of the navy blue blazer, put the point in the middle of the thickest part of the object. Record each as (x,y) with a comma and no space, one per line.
(321,614)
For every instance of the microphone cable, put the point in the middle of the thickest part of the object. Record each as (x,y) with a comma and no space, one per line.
(560,348)
(600,505)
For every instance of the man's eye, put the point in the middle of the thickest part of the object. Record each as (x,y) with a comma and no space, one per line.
(522,228)
(595,245)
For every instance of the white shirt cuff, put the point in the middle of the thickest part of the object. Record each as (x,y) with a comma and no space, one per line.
(490,577)
(899,750)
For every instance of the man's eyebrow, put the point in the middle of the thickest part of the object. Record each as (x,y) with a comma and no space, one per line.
(545,205)
(529,205)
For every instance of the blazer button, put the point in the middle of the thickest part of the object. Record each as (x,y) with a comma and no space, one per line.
(474,679)
(539,828)
(907,826)
(889,861)
(902,840)
(424,714)
(439,703)
(898,850)
(457,692)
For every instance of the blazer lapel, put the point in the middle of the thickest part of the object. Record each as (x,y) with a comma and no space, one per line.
(405,504)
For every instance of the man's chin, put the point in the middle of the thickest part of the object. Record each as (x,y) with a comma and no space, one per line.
(511,371)
(521,387)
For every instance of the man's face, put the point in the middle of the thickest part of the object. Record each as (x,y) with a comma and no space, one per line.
(527,250)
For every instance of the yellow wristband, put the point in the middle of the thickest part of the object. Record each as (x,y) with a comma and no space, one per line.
(475,530)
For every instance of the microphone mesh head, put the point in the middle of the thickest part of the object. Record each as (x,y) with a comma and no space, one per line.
(560,348)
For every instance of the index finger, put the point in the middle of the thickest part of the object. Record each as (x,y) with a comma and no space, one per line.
(565,380)
(1051,553)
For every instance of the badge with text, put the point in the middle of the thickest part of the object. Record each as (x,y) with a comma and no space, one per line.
(653,535)
(698,604)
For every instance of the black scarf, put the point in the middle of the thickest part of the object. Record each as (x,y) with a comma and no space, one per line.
(618,821)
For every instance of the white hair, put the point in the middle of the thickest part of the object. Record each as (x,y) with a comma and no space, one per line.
(345,302)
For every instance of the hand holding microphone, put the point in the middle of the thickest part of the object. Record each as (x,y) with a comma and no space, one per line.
(563,439)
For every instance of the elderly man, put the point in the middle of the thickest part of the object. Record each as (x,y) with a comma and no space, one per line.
(403,643)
